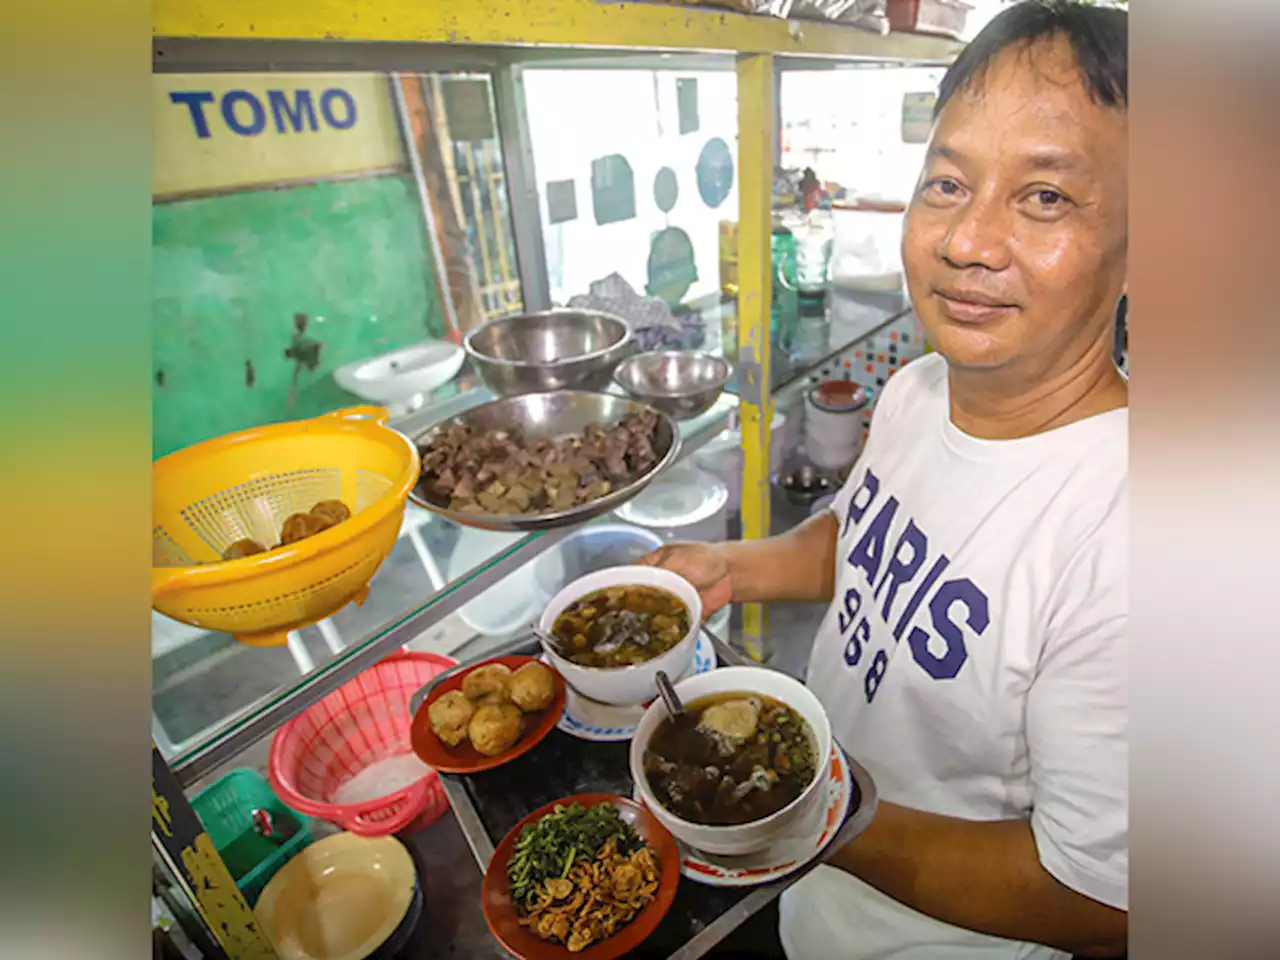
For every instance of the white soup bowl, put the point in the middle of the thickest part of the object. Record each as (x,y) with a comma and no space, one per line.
(743,838)
(637,683)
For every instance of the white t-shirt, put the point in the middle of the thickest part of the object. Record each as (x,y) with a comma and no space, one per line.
(974,658)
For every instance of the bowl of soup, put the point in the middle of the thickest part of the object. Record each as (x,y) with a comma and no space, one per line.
(745,762)
(616,628)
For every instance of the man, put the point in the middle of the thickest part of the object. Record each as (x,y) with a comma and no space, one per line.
(974,654)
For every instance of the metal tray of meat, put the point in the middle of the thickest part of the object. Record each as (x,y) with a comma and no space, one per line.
(553,416)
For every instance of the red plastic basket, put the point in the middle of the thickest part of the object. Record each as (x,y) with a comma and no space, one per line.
(364,721)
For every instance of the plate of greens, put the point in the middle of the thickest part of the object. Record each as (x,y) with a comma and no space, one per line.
(589,876)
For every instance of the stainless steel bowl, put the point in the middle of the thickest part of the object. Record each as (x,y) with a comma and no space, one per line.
(550,416)
(682,383)
(553,350)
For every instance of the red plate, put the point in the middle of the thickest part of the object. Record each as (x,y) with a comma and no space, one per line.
(464,758)
(500,911)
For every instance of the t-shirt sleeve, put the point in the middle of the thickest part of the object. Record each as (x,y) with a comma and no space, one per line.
(1077,721)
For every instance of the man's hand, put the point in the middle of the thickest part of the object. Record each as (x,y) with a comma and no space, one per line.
(703,565)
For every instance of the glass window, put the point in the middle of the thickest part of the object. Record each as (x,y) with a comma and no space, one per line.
(633,178)
(847,125)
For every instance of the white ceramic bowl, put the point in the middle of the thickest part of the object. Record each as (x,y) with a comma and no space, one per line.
(636,683)
(746,837)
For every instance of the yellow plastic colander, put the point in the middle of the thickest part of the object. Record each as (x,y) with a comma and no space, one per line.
(244,485)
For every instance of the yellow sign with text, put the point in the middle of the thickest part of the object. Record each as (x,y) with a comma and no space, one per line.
(214,132)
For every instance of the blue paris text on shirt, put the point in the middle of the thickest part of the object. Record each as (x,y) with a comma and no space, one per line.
(908,565)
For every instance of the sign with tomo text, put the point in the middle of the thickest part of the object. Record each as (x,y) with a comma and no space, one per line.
(215,132)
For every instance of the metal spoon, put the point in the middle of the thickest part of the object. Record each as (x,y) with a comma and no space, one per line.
(549,639)
(670,699)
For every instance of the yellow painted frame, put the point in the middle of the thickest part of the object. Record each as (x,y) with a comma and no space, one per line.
(524,23)
(756,137)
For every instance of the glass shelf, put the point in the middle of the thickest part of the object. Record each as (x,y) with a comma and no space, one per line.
(211,695)
(787,372)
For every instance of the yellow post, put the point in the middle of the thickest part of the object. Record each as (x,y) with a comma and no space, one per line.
(756,135)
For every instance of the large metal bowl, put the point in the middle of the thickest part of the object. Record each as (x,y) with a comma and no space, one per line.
(682,383)
(553,350)
(550,416)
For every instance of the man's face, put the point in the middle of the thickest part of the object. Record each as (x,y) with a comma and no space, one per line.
(1015,241)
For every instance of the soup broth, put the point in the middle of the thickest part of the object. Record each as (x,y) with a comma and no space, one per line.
(732,758)
(621,626)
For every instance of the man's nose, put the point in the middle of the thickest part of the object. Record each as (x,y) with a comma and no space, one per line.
(978,235)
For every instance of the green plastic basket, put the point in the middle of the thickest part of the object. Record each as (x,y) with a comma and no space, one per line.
(225,809)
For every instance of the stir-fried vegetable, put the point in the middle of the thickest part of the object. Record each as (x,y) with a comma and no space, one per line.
(551,846)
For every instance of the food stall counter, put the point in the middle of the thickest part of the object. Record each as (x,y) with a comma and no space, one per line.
(488,804)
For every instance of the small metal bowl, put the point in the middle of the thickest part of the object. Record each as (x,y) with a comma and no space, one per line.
(681,383)
(552,350)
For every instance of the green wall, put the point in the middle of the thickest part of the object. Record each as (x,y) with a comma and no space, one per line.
(230,272)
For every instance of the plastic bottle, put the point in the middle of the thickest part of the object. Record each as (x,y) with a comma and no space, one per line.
(785,307)
(812,330)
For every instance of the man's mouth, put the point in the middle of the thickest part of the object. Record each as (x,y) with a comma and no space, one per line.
(971,306)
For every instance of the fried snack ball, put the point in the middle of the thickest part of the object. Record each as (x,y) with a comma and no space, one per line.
(488,684)
(243,548)
(299,527)
(331,511)
(450,716)
(495,727)
(532,687)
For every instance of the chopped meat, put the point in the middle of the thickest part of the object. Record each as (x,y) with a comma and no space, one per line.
(465,488)
(500,472)
(445,481)
(642,450)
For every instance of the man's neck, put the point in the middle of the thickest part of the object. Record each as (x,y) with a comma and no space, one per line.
(1006,405)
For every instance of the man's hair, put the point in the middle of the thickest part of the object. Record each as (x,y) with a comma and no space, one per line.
(1099,38)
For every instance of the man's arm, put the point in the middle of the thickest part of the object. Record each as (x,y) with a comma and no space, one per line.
(798,565)
(981,876)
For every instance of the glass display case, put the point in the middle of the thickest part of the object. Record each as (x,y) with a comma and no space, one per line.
(333,188)
(356,254)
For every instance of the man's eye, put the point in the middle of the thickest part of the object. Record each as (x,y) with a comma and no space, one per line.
(1046,203)
(941,188)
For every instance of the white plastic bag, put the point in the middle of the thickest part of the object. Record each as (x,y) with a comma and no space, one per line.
(866,252)
(867,14)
